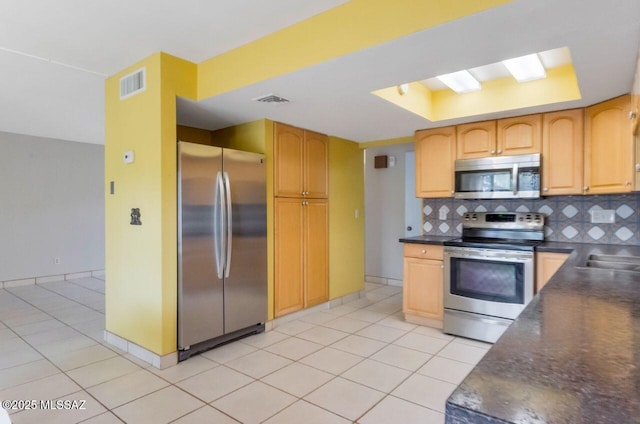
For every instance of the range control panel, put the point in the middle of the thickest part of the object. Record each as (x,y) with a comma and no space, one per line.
(504,220)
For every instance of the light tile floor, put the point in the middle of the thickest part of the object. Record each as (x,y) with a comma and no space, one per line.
(359,362)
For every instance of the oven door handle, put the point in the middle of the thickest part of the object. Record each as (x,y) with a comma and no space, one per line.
(515,178)
(492,258)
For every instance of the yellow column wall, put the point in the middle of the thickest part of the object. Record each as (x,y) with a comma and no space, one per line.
(141,261)
(346,232)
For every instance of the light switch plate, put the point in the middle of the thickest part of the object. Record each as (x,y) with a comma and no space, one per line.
(603,216)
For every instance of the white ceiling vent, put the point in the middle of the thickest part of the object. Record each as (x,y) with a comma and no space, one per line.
(133,83)
(271,98)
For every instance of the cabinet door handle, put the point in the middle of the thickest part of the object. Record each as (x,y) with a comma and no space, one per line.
(627,183)
(585,188)
(499,151)
(545,189)
(424,251)
(493,152)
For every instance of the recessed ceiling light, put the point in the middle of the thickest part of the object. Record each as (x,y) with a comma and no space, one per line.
(460,82)
(403,89)
(526,68)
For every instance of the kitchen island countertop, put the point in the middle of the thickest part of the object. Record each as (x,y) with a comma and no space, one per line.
(572,356)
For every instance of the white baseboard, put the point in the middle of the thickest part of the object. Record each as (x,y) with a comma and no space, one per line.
(382,280)
(158,361)
(333,303)
(51,278)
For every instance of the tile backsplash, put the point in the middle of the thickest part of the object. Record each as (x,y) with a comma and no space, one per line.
(568,218)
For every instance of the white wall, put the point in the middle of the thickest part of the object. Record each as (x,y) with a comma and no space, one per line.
(51,206)
(384,217)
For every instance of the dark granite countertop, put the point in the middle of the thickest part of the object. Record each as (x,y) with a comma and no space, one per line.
(437,240)
(572,356)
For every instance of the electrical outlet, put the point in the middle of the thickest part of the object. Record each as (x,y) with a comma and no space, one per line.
(128,157)
(603,216)
(357,213)
(56,261)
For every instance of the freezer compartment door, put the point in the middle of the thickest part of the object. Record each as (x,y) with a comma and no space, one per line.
(246,283)
(200,290)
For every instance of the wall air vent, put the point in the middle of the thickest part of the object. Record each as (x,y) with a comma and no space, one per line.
(271,98)
(133,83)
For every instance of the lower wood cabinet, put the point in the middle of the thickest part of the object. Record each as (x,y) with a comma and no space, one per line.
(547,264)
(423,284)
(301,254)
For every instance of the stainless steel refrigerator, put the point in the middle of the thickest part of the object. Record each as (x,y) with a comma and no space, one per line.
(222,246)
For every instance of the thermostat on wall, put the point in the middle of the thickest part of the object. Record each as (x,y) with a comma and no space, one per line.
(128,157)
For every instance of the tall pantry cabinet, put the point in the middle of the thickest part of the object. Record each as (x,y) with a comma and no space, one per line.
(301,176)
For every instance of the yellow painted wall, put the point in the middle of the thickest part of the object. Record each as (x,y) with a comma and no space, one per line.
(353,26)
(417,100)
(561,85)
(387,142)
(249,137)
(141,260)
(193,135)
(346,232)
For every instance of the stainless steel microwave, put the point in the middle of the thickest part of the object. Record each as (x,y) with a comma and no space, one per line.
(498,177)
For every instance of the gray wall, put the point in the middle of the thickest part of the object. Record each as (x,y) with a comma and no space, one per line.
(51,206)
(384,217)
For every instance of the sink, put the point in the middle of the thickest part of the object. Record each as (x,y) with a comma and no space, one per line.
(621,263)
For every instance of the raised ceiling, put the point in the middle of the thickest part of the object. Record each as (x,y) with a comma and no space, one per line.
(55,56)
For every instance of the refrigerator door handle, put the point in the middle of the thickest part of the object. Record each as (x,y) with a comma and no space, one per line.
(229,223)
(218,224)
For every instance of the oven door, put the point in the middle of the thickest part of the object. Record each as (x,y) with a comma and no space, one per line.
(488,281)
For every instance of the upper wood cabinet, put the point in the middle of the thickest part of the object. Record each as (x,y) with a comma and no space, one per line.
(608,147)
(562,153)
(521,135)
(316,165)
(435,156)
(476,140)
(511,136)
(301,162)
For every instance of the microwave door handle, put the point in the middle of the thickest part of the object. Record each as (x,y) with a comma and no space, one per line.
(515,178)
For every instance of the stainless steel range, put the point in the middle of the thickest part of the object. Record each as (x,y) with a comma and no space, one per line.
(489,272)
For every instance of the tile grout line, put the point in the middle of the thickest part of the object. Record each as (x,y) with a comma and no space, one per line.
(84,389)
